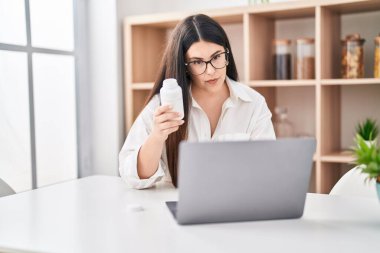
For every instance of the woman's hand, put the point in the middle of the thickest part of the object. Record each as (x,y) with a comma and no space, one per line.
(165,122)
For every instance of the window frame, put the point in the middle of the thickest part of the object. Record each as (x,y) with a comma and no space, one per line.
(30,50)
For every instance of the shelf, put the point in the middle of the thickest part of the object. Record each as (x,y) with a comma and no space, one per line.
(296,9)
(326,106)
(359,81)
(169,20)
(349,6)
(339,157)
(282,83)
(300,9)
(272,22)
(337,21)
(142,86)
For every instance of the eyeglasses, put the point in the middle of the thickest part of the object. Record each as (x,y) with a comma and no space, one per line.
(218,61)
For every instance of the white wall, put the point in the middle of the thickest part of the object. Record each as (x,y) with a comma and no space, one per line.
(104,86)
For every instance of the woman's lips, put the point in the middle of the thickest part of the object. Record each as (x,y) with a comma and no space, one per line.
(212,81)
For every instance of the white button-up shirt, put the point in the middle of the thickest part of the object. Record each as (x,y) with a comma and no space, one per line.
(245,115)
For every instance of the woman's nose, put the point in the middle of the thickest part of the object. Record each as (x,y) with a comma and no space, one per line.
(210,69)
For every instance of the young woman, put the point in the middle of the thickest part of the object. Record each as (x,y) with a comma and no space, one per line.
(216,105)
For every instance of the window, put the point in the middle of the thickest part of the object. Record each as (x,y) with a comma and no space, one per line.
(38,128)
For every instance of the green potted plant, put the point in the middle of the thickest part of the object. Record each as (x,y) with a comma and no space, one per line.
(368,130)
(368,160)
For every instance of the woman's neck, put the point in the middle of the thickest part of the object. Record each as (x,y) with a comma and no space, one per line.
(201,95)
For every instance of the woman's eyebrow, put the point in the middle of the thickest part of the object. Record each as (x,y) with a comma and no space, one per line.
(195,58)
(200,58)
(217,52)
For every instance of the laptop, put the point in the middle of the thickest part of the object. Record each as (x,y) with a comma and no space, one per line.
(242,180)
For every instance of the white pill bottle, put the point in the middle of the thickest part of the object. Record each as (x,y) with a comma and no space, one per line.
(171,94)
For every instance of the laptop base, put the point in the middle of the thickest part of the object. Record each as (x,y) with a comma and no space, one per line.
(172,205)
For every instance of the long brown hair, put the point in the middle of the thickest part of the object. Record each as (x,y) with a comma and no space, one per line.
(192,29)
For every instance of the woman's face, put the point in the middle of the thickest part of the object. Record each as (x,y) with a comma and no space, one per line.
(212,80)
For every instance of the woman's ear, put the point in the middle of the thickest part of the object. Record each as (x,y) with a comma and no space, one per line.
(228,51)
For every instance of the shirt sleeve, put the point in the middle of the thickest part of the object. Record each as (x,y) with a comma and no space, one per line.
(261,123)
(137,135)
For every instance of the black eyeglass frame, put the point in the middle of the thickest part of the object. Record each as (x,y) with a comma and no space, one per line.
(209,61)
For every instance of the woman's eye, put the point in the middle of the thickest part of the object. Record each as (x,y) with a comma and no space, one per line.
(197,62)
(216,57)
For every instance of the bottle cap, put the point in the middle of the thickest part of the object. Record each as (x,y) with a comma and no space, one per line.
(280,110)
(170,83)
(377,39)
(278,42)
(353,37)
(305,40)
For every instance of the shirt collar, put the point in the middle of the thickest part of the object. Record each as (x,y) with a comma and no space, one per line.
(193,102)
(236,92)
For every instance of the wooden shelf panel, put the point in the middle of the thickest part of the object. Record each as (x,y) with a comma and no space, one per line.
(145,51)
(306,8)
(286,10)
(296,9)
(169,20)
(227,19)
(339,157)
(142,86)
(281,83)
(359,81)
(350,6)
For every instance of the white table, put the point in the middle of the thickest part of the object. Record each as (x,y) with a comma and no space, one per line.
(91,215)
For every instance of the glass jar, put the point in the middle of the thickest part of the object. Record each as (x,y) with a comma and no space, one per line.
(376,68)
(305,63)
(352,57)
(282,126)
(281,60)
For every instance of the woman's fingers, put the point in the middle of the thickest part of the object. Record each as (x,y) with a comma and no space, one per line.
(166,121)
(170,124)
(170,130)
(162,109)
(167,116)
